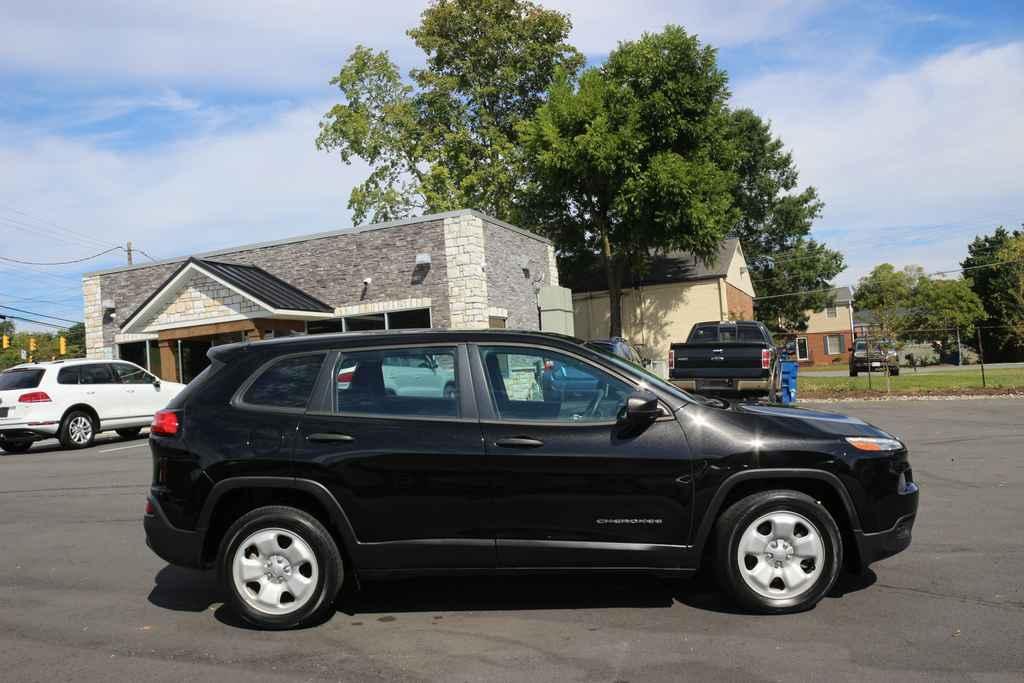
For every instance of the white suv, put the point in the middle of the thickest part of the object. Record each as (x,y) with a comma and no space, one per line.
(74,400)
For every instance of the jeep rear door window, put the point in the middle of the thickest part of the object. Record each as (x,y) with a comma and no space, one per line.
(287,383)
(413,382)
(537,384)
(20,378)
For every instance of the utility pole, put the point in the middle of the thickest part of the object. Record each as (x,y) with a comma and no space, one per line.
(128,251)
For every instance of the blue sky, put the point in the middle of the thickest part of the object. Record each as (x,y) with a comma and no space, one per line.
(189,126)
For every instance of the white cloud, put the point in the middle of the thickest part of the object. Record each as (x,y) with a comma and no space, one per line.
(210,190)
(938,145)
(295,45)
(599,26)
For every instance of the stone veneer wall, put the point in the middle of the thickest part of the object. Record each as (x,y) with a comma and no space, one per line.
(510,286)
(466,262)
(202,300)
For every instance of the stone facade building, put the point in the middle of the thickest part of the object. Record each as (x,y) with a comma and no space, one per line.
(460,269)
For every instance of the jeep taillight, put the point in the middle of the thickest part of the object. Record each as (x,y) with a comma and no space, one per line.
(165,423)
(766,359)
(34,397)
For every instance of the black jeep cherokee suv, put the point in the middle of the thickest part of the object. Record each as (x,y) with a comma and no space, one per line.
(294,465)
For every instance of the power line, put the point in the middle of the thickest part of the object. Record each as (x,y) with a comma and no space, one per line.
(4,316)
(59,263)
(55,225)
(42,315)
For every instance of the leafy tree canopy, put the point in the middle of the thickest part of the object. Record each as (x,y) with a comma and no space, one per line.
(940,308)
(999,287)
(634,156)
(448,140)
(886,293)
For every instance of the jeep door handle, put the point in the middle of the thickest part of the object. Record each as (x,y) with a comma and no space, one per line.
(519,442)
(330,437)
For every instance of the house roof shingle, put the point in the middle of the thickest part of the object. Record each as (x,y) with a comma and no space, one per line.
(674,266)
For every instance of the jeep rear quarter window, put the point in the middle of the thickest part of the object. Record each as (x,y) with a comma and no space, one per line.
(287,383)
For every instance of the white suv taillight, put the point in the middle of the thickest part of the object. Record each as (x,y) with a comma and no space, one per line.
(34,397)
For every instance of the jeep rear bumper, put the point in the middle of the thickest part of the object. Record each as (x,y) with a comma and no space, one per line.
(176,546)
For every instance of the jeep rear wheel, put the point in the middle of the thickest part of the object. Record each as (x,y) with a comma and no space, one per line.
(777,551)
(280,568)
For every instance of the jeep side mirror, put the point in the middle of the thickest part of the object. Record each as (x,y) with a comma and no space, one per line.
(640,410)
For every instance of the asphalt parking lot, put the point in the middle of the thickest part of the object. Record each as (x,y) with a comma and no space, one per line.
(83,598)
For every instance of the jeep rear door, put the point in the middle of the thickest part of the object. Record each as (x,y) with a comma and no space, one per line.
(394,437)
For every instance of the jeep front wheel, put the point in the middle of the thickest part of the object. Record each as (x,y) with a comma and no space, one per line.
(777,551)
(280,568)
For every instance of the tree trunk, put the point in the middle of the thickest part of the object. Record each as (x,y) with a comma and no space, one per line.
(613,269)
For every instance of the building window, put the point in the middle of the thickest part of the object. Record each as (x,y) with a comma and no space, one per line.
(411,319)
(831,312)
(496,322)
(801,348)
(834,344)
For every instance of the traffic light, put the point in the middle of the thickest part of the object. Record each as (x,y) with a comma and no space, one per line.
(32,344)
(63,345)
(7,342)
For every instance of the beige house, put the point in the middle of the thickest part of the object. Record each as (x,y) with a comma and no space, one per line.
(829,333)
(662,304)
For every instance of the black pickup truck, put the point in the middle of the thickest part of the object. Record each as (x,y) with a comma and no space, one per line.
(727,358)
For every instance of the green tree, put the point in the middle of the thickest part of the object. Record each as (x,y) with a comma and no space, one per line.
(774,226)
(939,309)
(634,157)
(450,139)
(999,287)
(887,294)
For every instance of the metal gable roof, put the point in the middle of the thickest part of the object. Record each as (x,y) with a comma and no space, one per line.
(253,281)
(265,287)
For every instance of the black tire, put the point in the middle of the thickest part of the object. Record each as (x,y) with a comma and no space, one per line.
(68,434)
(735,521)
(894,372)
(129,432)
(853,373)
(20,446)
(329,570)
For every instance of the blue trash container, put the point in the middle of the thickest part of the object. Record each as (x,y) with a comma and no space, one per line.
(789,372)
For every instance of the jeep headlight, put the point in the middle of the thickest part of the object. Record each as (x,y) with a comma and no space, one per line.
(873,443)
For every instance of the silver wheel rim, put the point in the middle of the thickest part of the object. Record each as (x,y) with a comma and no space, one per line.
(781,555)
(275,571)
(80,430)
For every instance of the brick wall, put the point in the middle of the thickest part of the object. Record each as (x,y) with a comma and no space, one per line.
(740,305)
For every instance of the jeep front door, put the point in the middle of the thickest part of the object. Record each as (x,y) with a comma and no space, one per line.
(572,486)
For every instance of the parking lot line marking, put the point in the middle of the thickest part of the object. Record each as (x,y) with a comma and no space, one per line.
(122,448)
